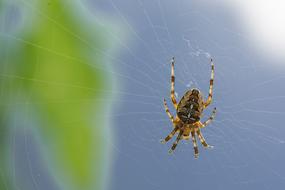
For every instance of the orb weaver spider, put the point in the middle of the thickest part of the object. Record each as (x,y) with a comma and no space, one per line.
(188,113)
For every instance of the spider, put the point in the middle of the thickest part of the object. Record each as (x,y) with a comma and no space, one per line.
(188,113)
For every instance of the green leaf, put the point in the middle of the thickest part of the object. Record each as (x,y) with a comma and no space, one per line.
(57,64)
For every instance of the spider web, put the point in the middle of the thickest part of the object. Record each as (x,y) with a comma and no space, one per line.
(247,133)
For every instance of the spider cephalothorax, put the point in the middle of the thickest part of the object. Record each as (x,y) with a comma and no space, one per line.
(189,111)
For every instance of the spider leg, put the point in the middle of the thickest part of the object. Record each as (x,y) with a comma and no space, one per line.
(196,152)
(204,124)
(163,141)
(202,139)
(167,111)
(172,92)
(209,99)
(176,141)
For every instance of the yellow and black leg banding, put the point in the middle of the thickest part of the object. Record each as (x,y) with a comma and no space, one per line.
(172,92)
(163,141)
(210,118)
(209,99)
(202,139)
(176,141)
(196,152)
(167,111)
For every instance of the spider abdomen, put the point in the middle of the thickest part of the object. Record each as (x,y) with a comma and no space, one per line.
(190,107)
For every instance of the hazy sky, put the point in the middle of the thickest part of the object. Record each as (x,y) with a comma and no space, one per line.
(248,133)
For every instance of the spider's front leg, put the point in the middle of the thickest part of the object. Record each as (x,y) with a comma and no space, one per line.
(172,92)
(209,99)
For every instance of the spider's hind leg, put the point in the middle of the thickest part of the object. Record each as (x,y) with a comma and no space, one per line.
(167,111)
(163,141)
(176,141)
(204,124)
(196,152)
(202,139)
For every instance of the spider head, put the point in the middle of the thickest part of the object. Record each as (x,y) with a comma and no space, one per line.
(195,91)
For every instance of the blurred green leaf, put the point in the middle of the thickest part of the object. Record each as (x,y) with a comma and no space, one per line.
(55,66)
